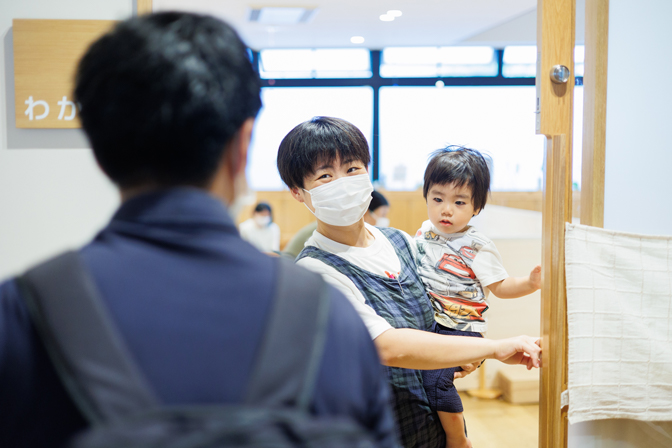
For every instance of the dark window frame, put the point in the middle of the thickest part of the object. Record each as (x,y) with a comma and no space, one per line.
(376,82)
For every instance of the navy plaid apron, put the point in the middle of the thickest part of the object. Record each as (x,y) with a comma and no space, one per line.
(403,303)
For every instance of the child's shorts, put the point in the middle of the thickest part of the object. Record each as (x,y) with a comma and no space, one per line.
(439,387)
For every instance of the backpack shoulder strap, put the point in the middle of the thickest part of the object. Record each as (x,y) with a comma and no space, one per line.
(291,351)
(81,340)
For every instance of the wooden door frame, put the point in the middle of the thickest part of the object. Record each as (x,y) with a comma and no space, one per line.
(555,43)
(555,46)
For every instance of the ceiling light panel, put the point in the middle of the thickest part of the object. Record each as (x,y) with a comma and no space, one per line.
(279,15)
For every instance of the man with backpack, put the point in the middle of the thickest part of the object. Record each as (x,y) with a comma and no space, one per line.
(168,308)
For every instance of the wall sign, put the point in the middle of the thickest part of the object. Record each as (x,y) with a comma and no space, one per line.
(46,53)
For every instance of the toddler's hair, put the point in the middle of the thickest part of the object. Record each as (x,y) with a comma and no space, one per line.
(461,166)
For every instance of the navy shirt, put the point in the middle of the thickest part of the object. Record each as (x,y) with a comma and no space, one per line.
(191,299)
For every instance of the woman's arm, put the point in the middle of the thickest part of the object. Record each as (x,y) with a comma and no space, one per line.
(415,349)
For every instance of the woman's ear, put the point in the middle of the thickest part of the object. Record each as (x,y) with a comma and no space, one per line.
(297,193)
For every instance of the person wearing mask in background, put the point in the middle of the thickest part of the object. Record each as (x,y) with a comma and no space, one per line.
(260,230)
(376,215)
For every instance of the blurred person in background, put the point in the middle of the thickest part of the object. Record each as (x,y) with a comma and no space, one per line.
(378,210)
(260,230)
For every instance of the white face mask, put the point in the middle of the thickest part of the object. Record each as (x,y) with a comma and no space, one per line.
(380,221)
(342,202)
(262,221)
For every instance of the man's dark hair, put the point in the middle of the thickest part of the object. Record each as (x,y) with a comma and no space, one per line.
(161,95)
(318,141)
(461,166)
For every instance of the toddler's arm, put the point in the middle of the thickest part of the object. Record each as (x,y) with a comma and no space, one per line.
(514,287)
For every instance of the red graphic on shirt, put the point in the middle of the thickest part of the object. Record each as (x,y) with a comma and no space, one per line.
(460,309)
(391,275)
(455,265)
(467,252)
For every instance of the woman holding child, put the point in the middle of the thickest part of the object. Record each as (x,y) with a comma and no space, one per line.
(324,162)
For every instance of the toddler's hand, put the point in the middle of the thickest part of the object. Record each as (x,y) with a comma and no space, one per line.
(535,278)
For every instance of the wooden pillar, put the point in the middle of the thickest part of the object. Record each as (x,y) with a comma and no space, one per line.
(555,46)
(594,113)
(144,7)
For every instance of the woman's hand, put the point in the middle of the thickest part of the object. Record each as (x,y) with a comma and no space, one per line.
(519,350)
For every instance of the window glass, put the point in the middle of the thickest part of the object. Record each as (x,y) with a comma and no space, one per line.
(499,121)
(429,62)
(315,63)
(577,137)
(579,56)
(520,61)
(284,108)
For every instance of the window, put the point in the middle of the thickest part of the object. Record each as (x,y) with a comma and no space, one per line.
(499,121)
(315,63)
(431,62)
(521,61)
(284,108)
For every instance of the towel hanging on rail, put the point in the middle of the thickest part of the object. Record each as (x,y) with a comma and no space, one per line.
(619,314)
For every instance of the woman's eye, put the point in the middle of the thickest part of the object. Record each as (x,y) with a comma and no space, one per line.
(353,169)
(324,176)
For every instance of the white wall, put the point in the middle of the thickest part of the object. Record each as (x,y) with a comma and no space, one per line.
(637,192)
(52,194)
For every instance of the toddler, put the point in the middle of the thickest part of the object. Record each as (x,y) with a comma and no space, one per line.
(459,266)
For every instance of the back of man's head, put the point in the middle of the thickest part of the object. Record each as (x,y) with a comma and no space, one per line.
(161,95)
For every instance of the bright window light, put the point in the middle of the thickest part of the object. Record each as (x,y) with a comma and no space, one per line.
(286,107)
(315,63)
(520,62)
(457,116)
(386,18)
(465,55)
(520,54)
(427,62)
(357,39)
(579,57)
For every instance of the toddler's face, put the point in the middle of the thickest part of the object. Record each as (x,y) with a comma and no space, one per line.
(450,208)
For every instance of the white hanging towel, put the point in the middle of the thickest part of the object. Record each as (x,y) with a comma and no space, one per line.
(619,313)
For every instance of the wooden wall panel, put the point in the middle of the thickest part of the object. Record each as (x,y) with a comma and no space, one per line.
(46,53)
(407,208)
(144,6)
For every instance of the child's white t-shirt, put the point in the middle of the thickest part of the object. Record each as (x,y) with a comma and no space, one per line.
(456,270)
(379,258)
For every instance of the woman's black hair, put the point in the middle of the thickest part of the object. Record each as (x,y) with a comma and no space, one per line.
(319,141)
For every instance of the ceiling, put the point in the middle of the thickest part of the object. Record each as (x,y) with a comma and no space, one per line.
(423,23)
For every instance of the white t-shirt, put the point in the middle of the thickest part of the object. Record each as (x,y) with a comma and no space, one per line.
(456,270)
(379,258)
(266,239)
